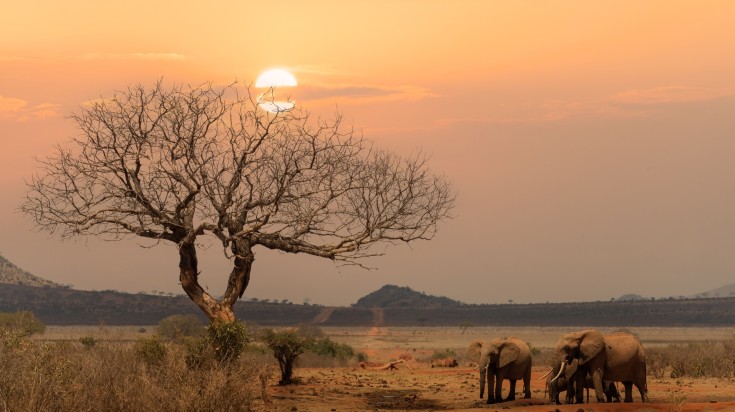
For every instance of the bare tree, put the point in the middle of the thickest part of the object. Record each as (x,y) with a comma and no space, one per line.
(182,163)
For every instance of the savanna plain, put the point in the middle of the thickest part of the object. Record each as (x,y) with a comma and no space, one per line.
(689,369)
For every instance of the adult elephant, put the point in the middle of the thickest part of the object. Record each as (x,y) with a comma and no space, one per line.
(617,357)
(499,359)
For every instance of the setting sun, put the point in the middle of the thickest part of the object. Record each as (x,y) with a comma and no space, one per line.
(274,100)
(276,78)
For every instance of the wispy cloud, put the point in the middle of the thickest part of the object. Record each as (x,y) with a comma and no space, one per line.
(630,103)
(19,110)
(96,56)
(666,94)
(41,111)
(132,56)
(359,93)
(9,106)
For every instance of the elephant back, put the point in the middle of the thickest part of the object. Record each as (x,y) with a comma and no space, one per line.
(624,356)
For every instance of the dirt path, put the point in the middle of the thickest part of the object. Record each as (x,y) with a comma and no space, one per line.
(323,316)
(378,317)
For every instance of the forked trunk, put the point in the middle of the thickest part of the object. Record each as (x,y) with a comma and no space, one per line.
(189,278)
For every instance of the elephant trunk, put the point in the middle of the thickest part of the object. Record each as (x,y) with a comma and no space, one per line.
(561,370)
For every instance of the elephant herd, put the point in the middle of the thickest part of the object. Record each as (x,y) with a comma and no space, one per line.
(589,359)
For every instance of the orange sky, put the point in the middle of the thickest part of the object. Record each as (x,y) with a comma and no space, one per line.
(585,139)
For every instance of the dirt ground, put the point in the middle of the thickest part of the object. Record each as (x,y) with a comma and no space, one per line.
(457,389)
(417,386)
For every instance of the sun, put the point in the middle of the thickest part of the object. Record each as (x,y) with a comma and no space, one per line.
(276,78)
(276,99)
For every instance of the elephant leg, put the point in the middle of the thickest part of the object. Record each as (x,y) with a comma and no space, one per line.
(579,378)
(491,386)
(527,383)
(640,383)
(512,392)
(597,380)
(642,390)
(628,391)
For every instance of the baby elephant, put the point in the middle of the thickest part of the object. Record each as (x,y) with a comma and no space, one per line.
(555,384)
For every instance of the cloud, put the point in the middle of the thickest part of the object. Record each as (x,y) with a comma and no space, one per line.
(10,105)
(17,109)
(665,94)
(629,103)
(41,111)
(359,93)
(132,56)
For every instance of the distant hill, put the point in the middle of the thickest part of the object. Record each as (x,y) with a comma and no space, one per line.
(392,296)
(721,292)
(13,275)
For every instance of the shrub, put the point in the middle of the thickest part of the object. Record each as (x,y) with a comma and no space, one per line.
(88,341)
(695,360)
(326,347)
(178,326)
(43,376)
(23,322)
(228,339)
(287,345)
(446,353)
(151,350)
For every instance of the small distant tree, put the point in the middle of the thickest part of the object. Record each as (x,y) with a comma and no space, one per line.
(176,165)
(287,345)
(463,326)
(23,323)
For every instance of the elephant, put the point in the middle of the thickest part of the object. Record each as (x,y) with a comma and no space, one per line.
(617,357)
(557,383)
(499,359)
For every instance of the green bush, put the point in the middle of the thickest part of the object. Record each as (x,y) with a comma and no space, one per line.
(326,347)
(24,322)
(88,341)
(178,326)
(287,345)
(228,339)
(151,350)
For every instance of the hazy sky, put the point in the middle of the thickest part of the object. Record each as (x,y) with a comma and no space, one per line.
(591,144)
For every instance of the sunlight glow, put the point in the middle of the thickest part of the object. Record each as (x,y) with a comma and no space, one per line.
(274,100)
(276,78)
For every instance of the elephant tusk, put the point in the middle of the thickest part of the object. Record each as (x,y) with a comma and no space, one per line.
(547,373)
(561,370)
(477,365)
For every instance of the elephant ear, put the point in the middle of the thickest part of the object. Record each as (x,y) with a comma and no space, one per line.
(511,350)
(474,351)
(591,344)
(571,368)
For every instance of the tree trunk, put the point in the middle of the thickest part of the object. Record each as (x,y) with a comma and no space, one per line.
(240,275)
(188,275)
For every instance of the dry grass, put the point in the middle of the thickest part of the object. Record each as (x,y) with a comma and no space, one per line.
(111,376)
(712,359)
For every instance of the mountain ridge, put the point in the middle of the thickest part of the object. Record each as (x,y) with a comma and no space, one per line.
(13,275)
